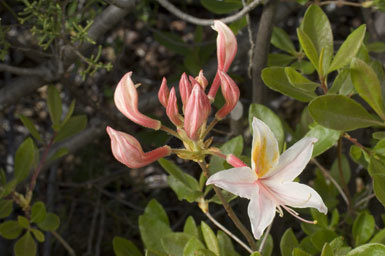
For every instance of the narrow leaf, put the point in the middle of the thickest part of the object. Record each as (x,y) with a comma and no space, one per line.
(124,247)
(281,40)
(54,106)
(210,238)
(25,159)
(308,47)
(75,125)
(31,127)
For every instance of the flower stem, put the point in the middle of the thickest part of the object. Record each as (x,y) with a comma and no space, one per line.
(265,238)
(230,212)
(170,131)
(210,127)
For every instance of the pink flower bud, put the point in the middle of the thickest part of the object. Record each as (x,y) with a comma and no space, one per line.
(202,79)
(163,93)
(234,161)
(172,109)
(184,89)
(127,150)
(226,50)
(230,92)
(196,112)
(126,100)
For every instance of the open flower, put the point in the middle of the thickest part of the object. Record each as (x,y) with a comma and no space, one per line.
(269,182)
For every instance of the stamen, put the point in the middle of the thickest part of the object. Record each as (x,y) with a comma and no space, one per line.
(137,85)
(296,215)
(279,210)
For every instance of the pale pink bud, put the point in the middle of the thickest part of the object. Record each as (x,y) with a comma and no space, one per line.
(226,50)
(126,100)
(127,150)
(234,161)
(202,79)
(163,93)
(184,89)
(172,109)
(230,92)
(197,110)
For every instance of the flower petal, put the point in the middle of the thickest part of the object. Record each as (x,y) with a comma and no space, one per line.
(240,181)
(297,195)
(265,153)
(261,212)
(293,161)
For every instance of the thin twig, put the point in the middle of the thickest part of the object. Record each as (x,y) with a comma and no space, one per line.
(251,41)
(228,232)
(64,243)
(364,200)
(265,238)
(355,142)
(328,176)
(229,210)
(23,71)
(207,22)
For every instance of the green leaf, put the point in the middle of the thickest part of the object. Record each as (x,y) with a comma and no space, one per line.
(368,249)
(342,83)
(281,40)
(270,118)
(58,153)
(210,238)
(184,185)
(367,85)
(6,207)
(10,229)
(268,247)
(190,227)
(23,221)
(299,81)
(327,138)
(299,252)
(288,242)
(317,26)
(73,126)
(379,237)
(124,247)
(174,243)
(348,49)
(38,235)
(50,223)
(38,212)
(192,246)
(307,245)
(377,47)
(256,254)
(340,113)
(204,252)
(304,66)
(3,177)
(378,135)
(31,127)
(69,113)
(377,171)
(275,78)
(279,59)
(321,237)
(335,171)
(54,106)
(322,219)
(226,247)
(25,159)
(25,246)
(335,218)
(308,47)
(172,42)
(233,146)
(153,225)
(327,250)
(221,7)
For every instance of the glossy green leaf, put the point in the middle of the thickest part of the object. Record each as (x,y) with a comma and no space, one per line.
(281,40)
(308,47)
(321,237)
(367,85)
(378,135)
(190,227)
(23,221)
(335,170)
(210,238)
(299,81)
(340,113)
(322,219)
(25,159)
(233,146)
(174,243)
(75,125)
(377,171)
(368,249)
(31,127)
(304,66)
(204,252)
(124,247)
(25,246)
(299,252)
(38,212)
(342,84)
(288,242)
(348,49)
(307,245)
(6,207)
(226,247)
(153,225)
(327,250)
(54,106)
(379,237)
(221,7)
(270,118)
(327,138)
(334,220)
(10,229)
(317,26)
(50,223)
(279,59)
(38,235)
(275,78)
(192,246)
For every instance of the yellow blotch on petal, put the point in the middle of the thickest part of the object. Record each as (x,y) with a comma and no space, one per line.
(261,158)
